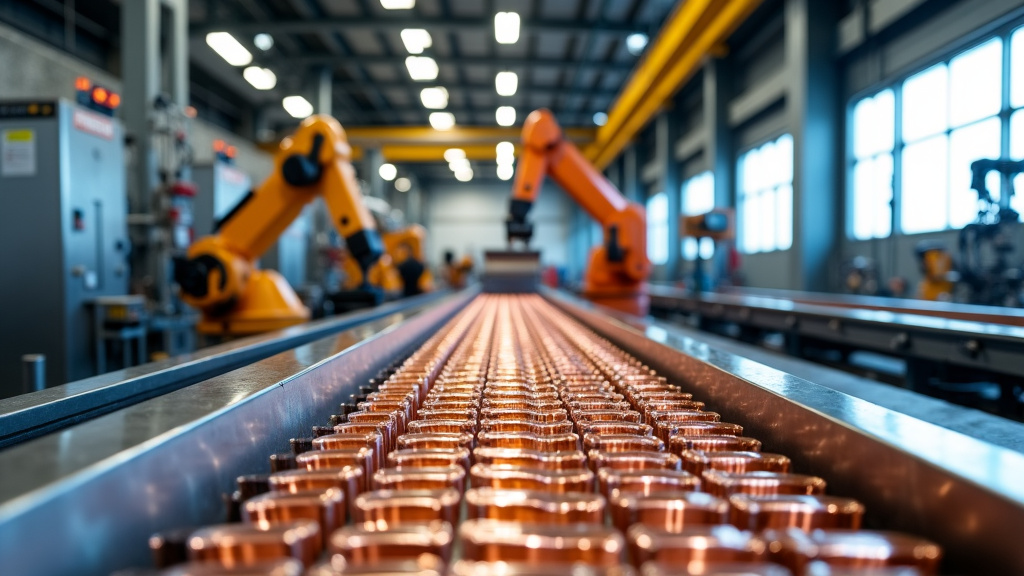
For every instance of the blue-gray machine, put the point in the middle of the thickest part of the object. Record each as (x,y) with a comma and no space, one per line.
(64,236)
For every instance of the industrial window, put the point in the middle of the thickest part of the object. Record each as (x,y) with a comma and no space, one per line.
(765,199)
(928,128)
(698,197)
(657,228)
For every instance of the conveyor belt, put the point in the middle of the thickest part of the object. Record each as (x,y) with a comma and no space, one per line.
(188,446)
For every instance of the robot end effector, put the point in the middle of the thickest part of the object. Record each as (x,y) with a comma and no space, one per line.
(516,225)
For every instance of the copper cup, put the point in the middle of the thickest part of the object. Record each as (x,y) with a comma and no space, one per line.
(678,443)
(441,441)
(783,511)
(502,476)
(420,478)
(657,404)
(616,428)
(644,481)
(394,507)
(441,403)
(521,404)
(567,460)
(697,461)
(588,416)
(370,544)
(702,544)
(724,484)
(666,430)
(553,415)
(349,480)
(860,549)
(387,419)
(373,442)
(279,567)
(622,443)
(332,459)
(326,507)
(470,568)
(367,428)
(715,569)
(529,441)
(429,458)
(540,544)
(439,414)
(424,565)
(577,406)
(538,428)
(668,511)
(240,544)
(442,427)
(633,460)
(534,506)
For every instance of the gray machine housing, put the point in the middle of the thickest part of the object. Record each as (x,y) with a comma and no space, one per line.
(64,234)
(221,187)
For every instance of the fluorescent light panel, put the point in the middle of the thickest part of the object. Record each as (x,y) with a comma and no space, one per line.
(297,106)
(229,49)
(635,43)
(435,98)
(506,27)
(505,150)
(421,67)
(506,83)
(398,4)
(387,171)
(403,184)
(442,120)
(464,175)
(453,154)
(459,164)
(505,115)
(416,40)
(506,171)
(260,78)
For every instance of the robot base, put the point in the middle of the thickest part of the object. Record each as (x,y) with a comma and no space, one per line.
(268,304)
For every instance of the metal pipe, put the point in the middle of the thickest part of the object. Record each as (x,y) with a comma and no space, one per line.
(33,372)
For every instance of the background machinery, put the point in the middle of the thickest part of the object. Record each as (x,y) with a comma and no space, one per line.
(618,269)
(220,277)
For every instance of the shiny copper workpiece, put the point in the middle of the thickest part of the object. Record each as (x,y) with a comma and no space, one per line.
(566,460)
(794,511)
(429,458)
(328,508)
(470,568)
(721,543)
(494,540)
(667,511)
(677,444)
(442,427)
(529,441)
(519,426)
(371,544)
(724,484)
(636,460)
(616,428)
(435,478)
(238,544)
(534,507)
(434,441)
(279,567)
(718,569)
(425,565)
(645,481)
(697,461)
(394,507)
(516,478)
(336,459)
(373,442)
(860,549)
(349,480)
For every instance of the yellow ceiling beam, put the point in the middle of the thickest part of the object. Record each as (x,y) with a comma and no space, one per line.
(406,153)
(696,28)
(376,136)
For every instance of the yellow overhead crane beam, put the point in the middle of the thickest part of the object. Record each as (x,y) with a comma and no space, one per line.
(694,30)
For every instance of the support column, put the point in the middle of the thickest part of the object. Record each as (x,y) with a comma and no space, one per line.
(178,52)
(324,91)
(667,134)
(631,174)
(718,148)
(812,109)
(140,61)
(372,160)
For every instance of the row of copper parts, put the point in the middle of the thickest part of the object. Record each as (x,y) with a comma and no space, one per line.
(516,441)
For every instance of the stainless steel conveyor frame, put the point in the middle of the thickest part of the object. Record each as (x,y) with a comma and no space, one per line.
(86,499)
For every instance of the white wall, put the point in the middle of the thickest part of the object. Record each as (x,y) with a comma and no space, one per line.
(34,70)
(470,218)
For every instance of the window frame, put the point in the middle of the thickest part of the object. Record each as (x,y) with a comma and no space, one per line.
(740,193)
(895,83)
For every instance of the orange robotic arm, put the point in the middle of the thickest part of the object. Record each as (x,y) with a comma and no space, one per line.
(220,278)
(619,268)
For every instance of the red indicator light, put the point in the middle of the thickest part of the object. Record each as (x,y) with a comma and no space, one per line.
(218,145)
(99,95)
(115,100)
(230,151)
(82,84)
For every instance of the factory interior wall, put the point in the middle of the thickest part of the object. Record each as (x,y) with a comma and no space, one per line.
(470,218)
(43,72)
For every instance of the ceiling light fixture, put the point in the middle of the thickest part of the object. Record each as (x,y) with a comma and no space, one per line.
(403,184)
(263,41)
(387,171)
(506,27)
(421,67)
(398,4)
(505,115)
(505,150)
(416,40)
(297,106)
(506,171)
(442,120)
(459,164)
(464,175)
(506,83)
(230,50)
(435,98)
(600,118)
(453,154)
(260,78)
(635,43)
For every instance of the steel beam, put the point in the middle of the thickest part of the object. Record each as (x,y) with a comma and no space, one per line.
(307,60)
(140,61)
(435,25)
(460,135)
